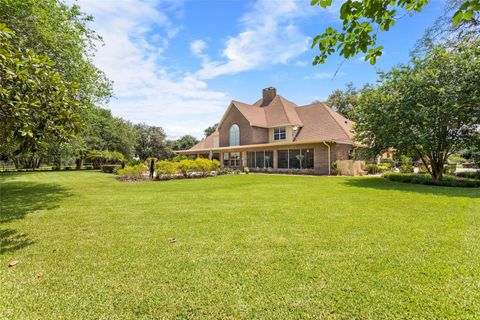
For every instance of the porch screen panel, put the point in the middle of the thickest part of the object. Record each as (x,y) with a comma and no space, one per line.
(308,160)
(251,159)
(260,159)
(282,159)
(268,159)
(294,162)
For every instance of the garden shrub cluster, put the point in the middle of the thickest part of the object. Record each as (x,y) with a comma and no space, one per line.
(469,174)
(111,168)
(187,168)
(133,173)
(448,180)
(373,168)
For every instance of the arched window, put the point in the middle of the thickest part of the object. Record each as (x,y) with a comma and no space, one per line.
(234,135)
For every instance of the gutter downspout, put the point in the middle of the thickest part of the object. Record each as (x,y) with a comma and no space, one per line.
(329,165)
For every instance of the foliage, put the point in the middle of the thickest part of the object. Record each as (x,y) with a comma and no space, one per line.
(184,143)
(406,168)
(434,103)
(179,157)
(36,103)
(61,32)
(246,170)
(102,131)
(203,165)
(216,165)
(151,142)
(469,174)
(361,21)
(447,181)
(111,168)
(373,168)
(186,166)
(136,172)
(98,158)
(210,130)
(165,167)
(343,101)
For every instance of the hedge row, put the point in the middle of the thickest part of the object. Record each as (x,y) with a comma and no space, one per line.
(448,181)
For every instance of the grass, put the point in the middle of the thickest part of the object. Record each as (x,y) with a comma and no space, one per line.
(248,246)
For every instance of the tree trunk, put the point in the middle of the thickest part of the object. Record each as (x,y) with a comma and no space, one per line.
(79,162)
(437,170)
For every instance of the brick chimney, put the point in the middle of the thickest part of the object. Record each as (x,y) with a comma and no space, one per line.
(268,94)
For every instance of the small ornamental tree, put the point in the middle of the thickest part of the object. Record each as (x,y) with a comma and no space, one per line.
(430,108)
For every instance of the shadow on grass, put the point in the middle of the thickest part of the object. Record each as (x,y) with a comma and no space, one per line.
(384,184)
(19,198)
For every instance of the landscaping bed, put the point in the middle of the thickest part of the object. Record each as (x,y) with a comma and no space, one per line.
(426,179)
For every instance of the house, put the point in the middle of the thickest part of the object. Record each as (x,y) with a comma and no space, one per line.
(277,135)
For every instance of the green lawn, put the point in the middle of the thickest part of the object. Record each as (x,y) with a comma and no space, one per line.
(248,246)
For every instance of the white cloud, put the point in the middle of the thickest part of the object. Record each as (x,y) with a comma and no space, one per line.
(197,47)
(136,34)
(320,75)
(324,75)
(269,36)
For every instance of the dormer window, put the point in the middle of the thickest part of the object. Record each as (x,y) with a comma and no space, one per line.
(234,135)
(279,133)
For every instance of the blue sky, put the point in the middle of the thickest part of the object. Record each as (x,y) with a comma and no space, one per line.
(177,64)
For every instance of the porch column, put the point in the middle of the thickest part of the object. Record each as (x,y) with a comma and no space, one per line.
(275,159)
(221,159)
(244,159)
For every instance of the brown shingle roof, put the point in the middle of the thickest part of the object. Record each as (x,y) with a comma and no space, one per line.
(206,143)
(322,123)
(316,121)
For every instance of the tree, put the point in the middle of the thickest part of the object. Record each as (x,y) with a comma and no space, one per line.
(36,103)
(59,31)
(361,21)
(184,143)
(210,130)
(430,107)
(151,142)
(344,101)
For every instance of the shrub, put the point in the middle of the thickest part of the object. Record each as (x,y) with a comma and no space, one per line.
(136,172)
(203,165)
(448,181)
(165,168)
(246,170)
(469,174)
(110,168)
(179,158)
(216,165)
(449,168)
(186,166)
(373,168)
(406,168)
(422,170)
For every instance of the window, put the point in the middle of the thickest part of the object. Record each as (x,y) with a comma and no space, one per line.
(234,159)
(234,135)
(279,133)
(268,159)
(226,159)
(294,159)
(251,159)
(282,159)
(307,162)
(260,159)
